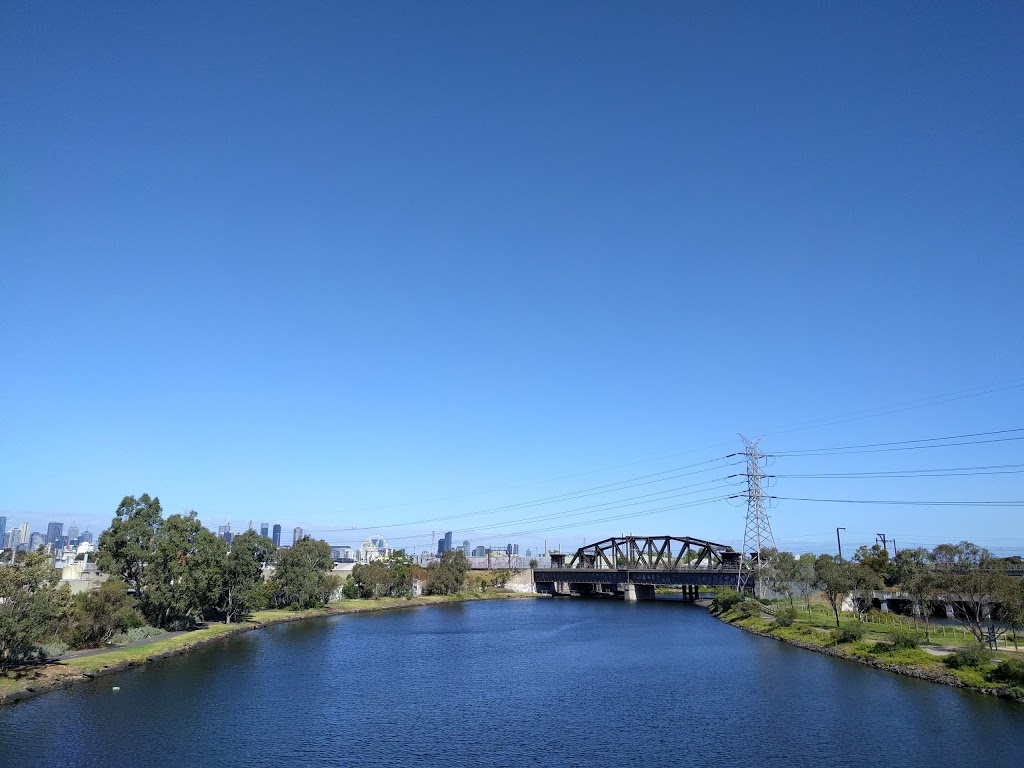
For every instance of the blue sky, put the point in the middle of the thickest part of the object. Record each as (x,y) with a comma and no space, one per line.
(358,265)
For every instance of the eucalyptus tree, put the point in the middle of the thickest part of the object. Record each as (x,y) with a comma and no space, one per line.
(243,574)
(126,547)
(32,607)
(915,575)
(835,579)
(186,573)
(303,578)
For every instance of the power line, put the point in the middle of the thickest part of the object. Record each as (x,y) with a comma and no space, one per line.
(583,493)
(992,469)
(905,445)
(906,503)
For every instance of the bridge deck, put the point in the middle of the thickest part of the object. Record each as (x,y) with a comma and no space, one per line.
(717,577)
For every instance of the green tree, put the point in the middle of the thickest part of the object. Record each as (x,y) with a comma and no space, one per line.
(835,580)
(913,572)
(864,581)
(243,574)
(875,558)
(804,579)
(185,576)
(447,576)
(97,615)
(782,574)
(303,578)
(125,547)
(32,606)
(974,582)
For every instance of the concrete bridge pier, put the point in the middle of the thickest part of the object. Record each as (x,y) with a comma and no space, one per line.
(949,611)
(884,605)
(635,592)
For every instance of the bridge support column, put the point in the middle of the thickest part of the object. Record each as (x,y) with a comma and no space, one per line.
(636,592)
(949,611)
(884,605)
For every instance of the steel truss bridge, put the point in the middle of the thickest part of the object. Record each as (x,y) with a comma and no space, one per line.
(632,566)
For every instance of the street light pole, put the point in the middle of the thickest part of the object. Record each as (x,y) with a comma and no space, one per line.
(839,542)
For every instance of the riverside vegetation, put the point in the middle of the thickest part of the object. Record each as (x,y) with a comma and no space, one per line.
(987,604)
(172,573)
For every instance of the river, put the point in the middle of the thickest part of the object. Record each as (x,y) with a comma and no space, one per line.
(509,683)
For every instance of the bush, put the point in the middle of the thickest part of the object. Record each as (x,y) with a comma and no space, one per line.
(969,658)
(849,633)
(135,634)
(725,600)
(1010,671)
(785,617)
(904,640)
(53,650)
(749,609)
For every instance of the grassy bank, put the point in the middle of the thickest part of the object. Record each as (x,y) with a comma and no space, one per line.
(898,649)
(38,678)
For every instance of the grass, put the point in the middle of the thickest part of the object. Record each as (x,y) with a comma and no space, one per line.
(143,652)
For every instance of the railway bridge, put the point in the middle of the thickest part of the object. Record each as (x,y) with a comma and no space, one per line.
(632,566)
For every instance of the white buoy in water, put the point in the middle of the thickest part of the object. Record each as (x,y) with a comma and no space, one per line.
(117,688)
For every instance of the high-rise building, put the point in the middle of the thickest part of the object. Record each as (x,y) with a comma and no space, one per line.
(72,533)
(85,536)
(296,535)
(223,531)
(24,535)
(264,530)
(228,536)
(465,548)
(515,549)
(277,535)
(36,540)
(54,533)
(440,546)
(447,541)
(3,526)
(480,551)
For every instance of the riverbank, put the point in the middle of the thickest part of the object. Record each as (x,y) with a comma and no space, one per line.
(873,650)
(36,679)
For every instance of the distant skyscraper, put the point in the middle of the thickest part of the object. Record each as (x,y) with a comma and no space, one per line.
(3,526)
(24,535)
(35,541)
(296,536)
(72,533)
(465,548)
(228,536)
(515,549)
(480,551)
(54,533)
(277,536)
(440,546)
(85,536)
(223,531)
(447,541)
(264,530)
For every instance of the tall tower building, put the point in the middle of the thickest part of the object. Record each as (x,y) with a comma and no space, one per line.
(264,530)
(466,549)
(24,535)
(72,533)
(55,532)
(296,535)
(447,541)
(3,526)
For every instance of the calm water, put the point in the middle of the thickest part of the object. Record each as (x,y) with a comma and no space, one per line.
(512,683)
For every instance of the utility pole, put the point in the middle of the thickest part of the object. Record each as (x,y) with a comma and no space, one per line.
(757,533)
(839,543)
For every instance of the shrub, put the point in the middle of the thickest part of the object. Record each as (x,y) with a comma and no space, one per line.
(53,650)
(1010,671)
(749,609)
(969,658)
(849,633)
(904,640)
(135,634)
(725,600)
(785,617)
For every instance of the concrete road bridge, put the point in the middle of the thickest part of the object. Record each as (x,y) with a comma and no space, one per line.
(633,566)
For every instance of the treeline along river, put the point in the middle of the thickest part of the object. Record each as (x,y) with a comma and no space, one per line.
(509,683)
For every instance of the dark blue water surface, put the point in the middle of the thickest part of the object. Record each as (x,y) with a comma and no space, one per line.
(512,683)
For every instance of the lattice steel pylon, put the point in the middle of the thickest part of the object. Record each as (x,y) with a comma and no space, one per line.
(757,533)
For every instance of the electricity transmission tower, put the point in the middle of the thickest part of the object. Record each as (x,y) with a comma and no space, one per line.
(757,534)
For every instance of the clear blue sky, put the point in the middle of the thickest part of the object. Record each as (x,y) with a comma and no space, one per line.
(324,264)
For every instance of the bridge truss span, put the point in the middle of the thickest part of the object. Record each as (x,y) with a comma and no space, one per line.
(667,553)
